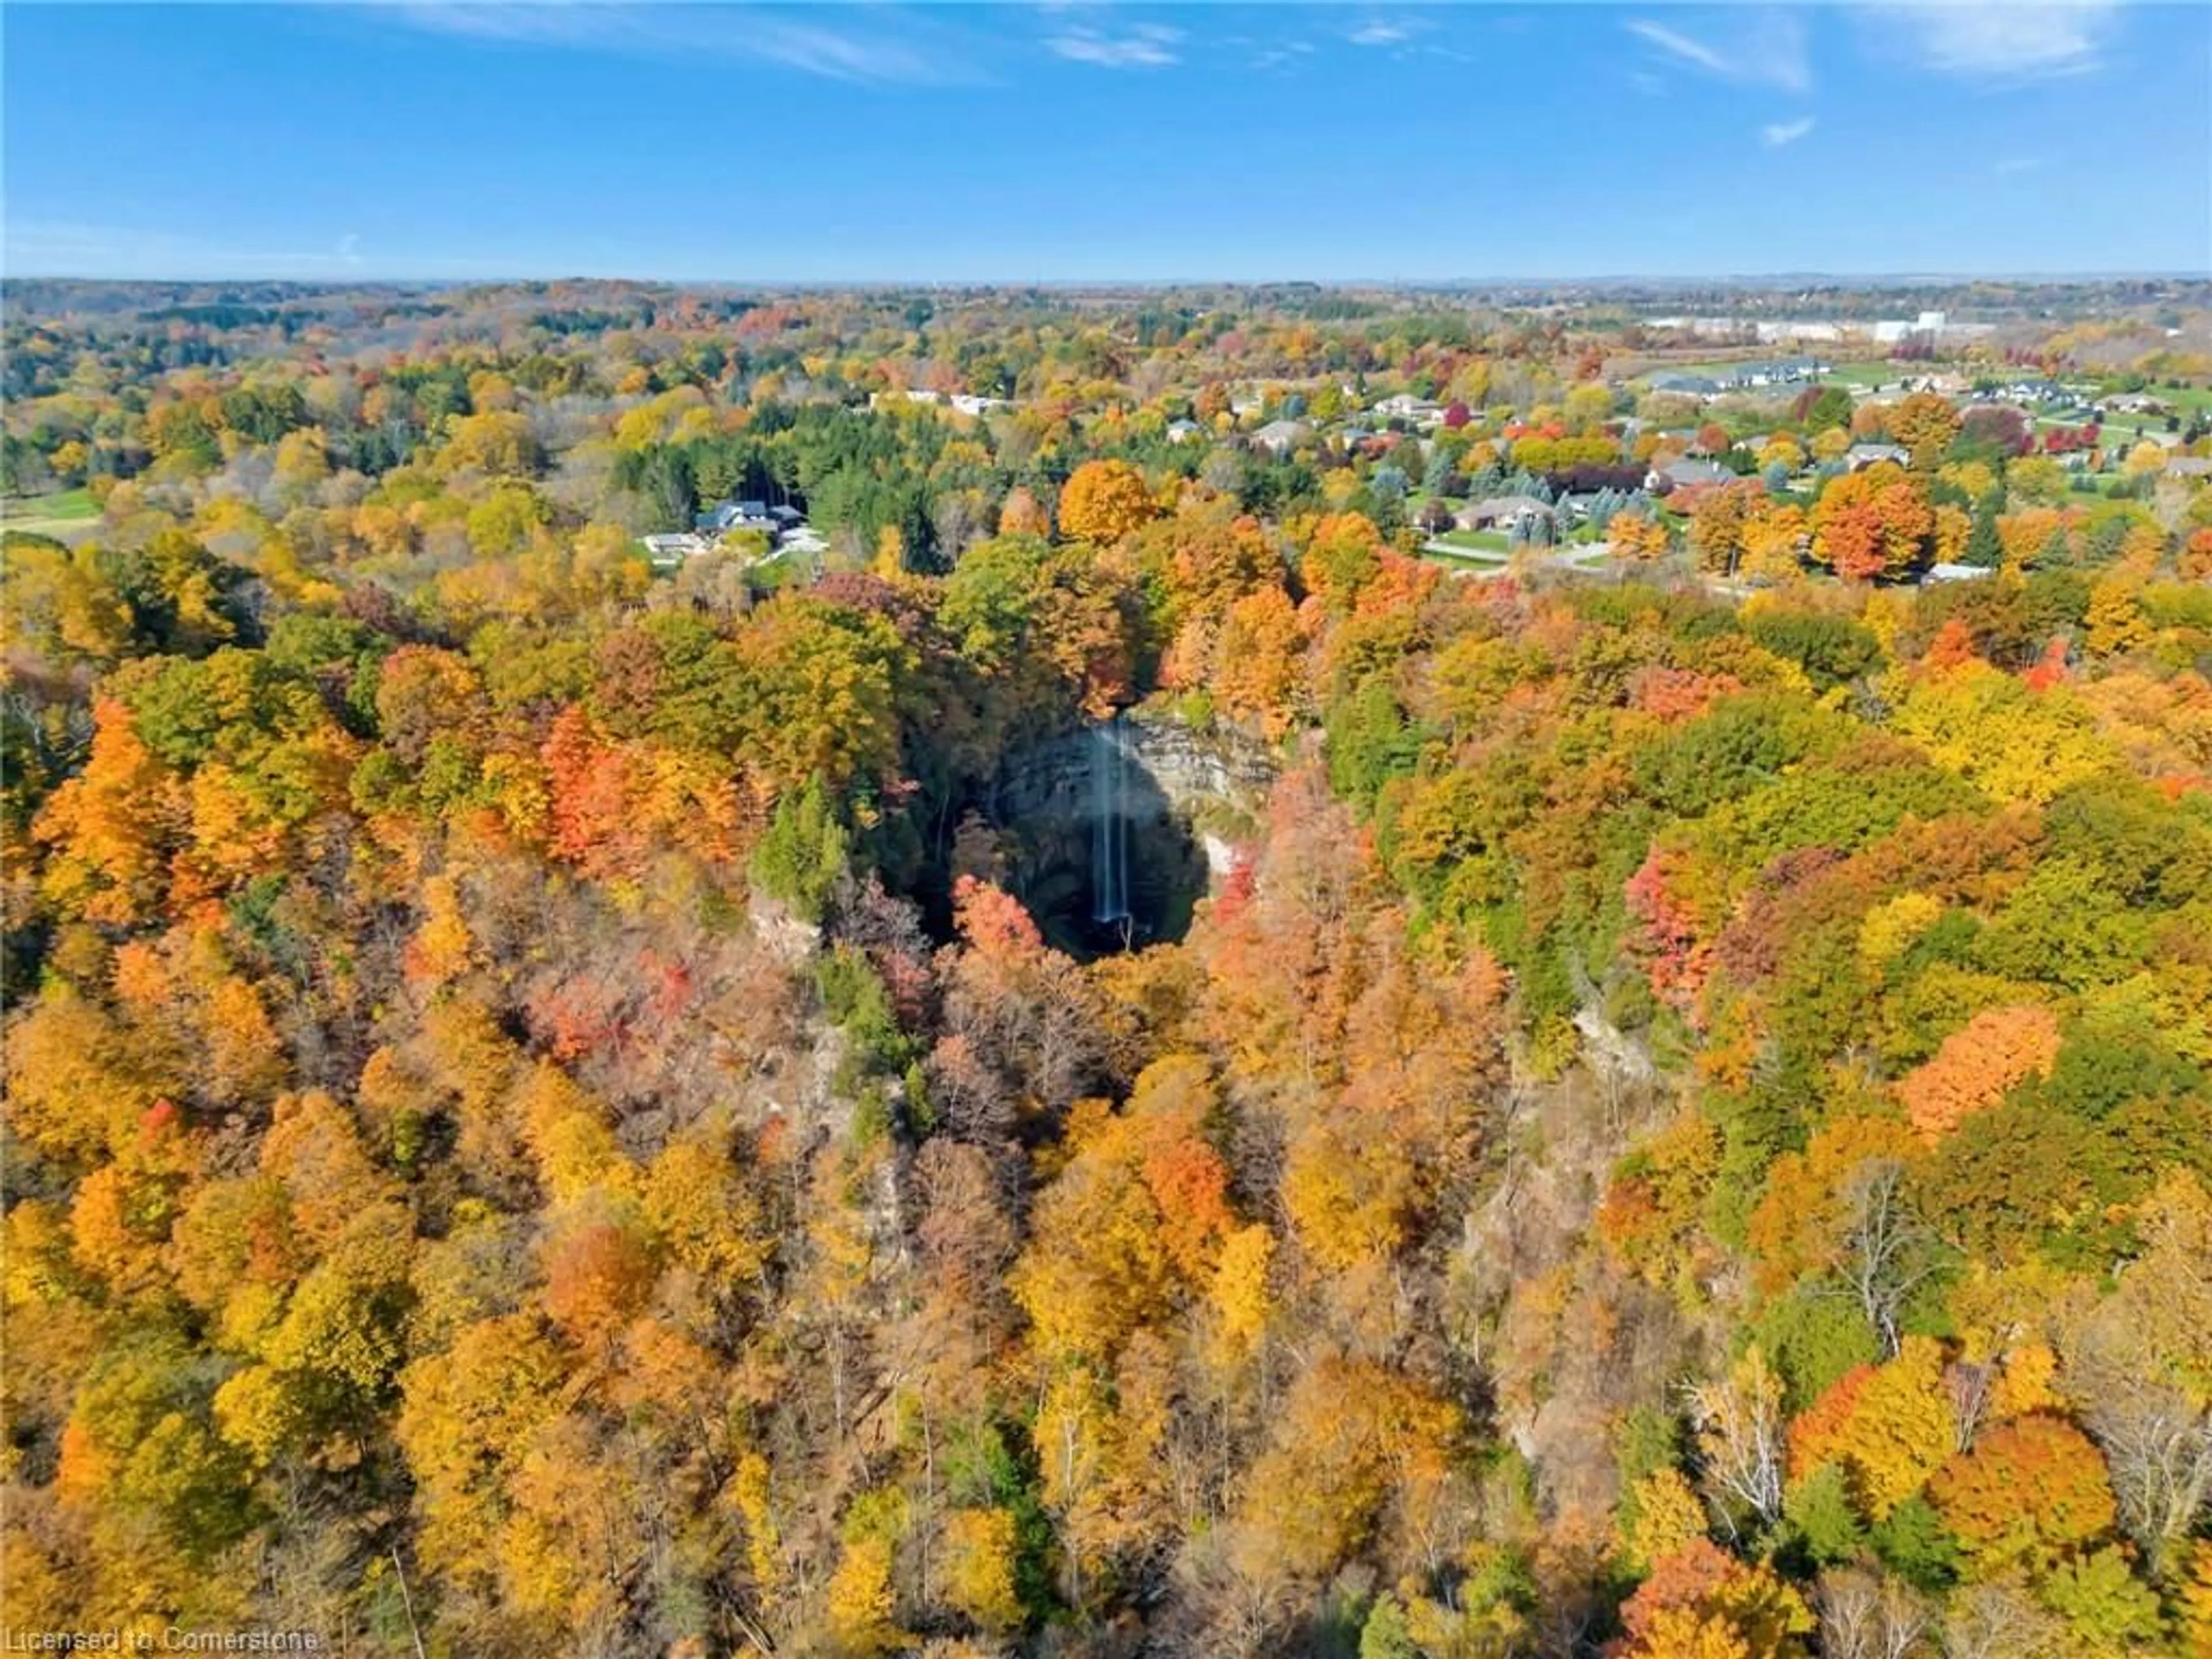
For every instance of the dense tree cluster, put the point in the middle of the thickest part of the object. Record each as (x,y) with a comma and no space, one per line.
(538,1118)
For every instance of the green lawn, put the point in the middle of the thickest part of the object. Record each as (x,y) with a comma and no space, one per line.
(2126,433)
(2186,400)
(2121,434)
(1476,541)
(71,504)
(1876,374)
(49,515)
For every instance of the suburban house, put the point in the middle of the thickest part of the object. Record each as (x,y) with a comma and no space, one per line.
(1948,385)
(1280,437)
(1404,406)
(2189,466)
(727,516)
(1789,371)
(1686,474)
(1955,573)
(1505,512)
(2039,392)
(1183,432)
(1686,385)
(1859,456)
(673,549)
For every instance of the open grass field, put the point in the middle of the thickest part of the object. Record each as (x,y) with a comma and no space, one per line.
(1476,541)
(2185,400)
(1867,374)
(49,515)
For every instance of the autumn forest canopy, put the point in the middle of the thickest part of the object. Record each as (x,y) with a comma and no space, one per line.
(552,1105)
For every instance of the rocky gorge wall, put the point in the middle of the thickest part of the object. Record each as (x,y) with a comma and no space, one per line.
(1173,769)
(1182,797)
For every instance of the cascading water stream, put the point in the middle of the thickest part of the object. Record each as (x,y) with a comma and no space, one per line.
(1109,826)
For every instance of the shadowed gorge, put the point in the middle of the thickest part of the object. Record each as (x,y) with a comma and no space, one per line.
(1114,832)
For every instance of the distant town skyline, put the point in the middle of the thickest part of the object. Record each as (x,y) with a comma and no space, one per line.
(1072,144)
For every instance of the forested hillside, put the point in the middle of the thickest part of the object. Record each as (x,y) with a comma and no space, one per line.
(538,1119)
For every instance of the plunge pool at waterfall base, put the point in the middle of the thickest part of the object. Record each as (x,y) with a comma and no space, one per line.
(1111,834)
(1166,875)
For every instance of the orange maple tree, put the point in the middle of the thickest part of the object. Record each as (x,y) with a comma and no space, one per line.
(1977,1064)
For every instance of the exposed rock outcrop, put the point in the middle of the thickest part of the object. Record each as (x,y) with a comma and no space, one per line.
(1173,769)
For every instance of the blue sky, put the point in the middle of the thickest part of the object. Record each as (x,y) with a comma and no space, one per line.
(1075,142)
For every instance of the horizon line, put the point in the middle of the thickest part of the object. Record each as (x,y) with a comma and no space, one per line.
(1520,279)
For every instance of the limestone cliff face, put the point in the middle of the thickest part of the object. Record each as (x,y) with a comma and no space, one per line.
(1172,771)
(1178,799)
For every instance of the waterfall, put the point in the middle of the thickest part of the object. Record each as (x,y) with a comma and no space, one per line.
(1109,823)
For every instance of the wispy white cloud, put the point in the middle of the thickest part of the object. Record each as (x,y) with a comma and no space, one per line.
(1678,44)
(65,248)
(1284,56)
(863,44)
(1775,134)
(1376,32)
(1996,40)
(844,55)
(1764,48)
(2012,164)
(1148,45)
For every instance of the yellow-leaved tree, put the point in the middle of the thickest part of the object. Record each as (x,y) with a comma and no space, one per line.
(979,1567)
(1103,502)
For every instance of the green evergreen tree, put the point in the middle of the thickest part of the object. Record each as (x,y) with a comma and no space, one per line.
(804,853)
(1984,550)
